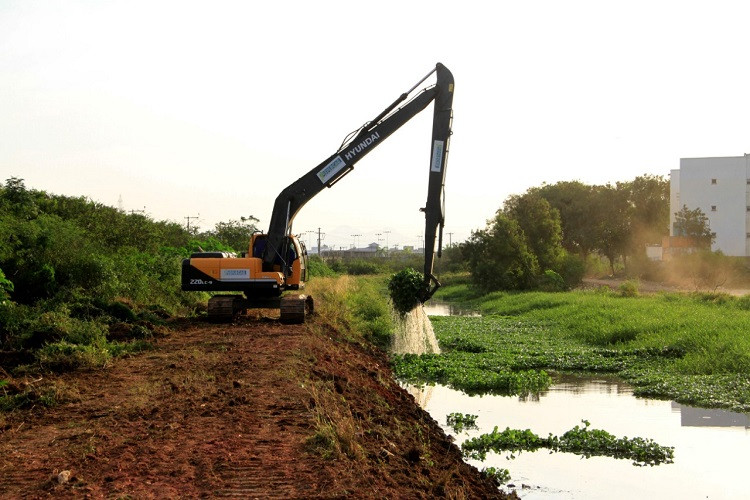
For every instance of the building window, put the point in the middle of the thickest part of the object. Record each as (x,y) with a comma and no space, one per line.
(713,208)
(713,181)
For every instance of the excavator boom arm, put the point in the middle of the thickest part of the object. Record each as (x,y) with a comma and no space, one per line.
(332,169)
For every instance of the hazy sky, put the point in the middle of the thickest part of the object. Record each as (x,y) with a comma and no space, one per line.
(212,108)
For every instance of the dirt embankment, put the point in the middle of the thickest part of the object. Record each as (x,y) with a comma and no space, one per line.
(254,409)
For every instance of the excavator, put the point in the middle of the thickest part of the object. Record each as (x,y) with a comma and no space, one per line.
(275,267)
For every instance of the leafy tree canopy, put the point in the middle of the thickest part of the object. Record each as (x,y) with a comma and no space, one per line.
(694,224)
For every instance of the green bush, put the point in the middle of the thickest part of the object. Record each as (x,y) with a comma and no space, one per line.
(552,282)
(629,288)
(318,267)
(46,328)
(572,268)
(360,267)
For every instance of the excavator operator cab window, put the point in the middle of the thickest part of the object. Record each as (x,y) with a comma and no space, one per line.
(291,251)
(259,246)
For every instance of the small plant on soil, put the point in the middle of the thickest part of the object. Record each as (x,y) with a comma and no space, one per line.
(460,422)
(405,288)
(579,440)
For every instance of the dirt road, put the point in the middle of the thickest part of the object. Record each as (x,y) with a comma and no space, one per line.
(254,409)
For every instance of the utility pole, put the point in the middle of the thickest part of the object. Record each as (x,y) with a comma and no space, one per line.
(320,235)
(386,233)
(188,220)
(450,239)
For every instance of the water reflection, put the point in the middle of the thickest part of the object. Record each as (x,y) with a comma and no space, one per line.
(421,394)
(712,447)
(435,307)
(701,417)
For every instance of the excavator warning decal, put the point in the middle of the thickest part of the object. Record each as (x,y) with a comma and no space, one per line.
(437,156)
(330,170)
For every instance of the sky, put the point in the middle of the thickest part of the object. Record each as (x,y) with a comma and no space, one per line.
(209,109)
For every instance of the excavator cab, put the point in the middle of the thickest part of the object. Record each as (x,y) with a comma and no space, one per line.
(290,259)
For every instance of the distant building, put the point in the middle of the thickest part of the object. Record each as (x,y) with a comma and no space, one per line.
(720,187)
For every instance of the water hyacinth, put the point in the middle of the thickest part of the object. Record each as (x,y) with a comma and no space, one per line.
(578,440)
(405,289)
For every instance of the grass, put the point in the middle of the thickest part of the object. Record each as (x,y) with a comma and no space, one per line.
(356,307)
(692,348)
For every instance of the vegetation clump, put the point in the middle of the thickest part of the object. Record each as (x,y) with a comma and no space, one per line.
(500,476)
(472,374)
(460,421)
(405,289)
(80,282)
(578,440)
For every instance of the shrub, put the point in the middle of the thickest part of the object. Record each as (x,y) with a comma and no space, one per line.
(318,267)
(629,288)
(552,282)
(360,267)
(48,327)
(571,268)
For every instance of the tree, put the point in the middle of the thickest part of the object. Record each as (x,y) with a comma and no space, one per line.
(649,200)
(611,222)
(575,202)
(694,224)
(498,257)
(16,199)
(235,233)
(540,224)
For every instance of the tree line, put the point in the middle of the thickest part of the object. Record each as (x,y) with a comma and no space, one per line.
(542,238)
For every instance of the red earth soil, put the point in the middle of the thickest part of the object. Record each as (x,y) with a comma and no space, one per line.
(254,409)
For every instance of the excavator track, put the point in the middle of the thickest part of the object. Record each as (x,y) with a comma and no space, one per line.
(295,307)
(224,308)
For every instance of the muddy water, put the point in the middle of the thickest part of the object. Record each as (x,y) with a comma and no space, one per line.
(712,447)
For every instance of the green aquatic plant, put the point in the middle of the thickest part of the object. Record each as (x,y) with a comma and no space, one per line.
(512,354)
(500,476)
(578,440)
(405,289)
(463,372)
(460,422)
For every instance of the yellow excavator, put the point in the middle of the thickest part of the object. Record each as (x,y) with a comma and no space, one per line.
(276,262)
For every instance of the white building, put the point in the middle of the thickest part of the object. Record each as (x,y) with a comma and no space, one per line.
(720,187)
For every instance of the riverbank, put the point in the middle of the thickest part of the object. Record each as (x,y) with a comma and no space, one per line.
(252,409)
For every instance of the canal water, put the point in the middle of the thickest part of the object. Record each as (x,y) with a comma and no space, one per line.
(711,447)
